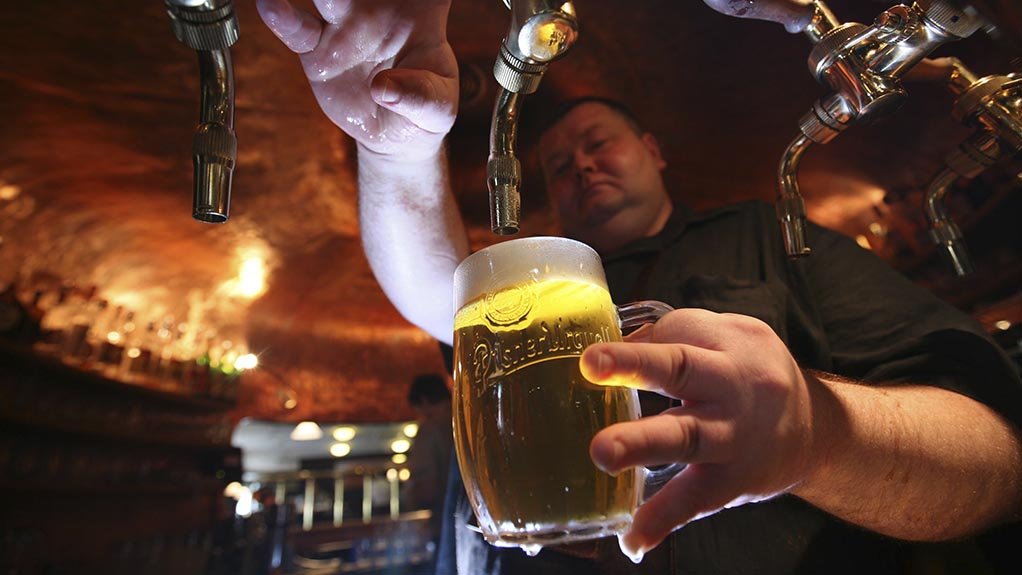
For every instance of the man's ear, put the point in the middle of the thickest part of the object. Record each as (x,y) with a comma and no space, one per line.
(654,149)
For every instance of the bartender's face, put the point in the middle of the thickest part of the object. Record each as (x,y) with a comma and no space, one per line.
(604,177)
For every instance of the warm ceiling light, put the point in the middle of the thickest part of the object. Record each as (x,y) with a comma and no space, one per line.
(404,474)
(340,449)
(306,431)
(391,474)
(344,433)
(247,361)
(250,282)
(400,445)
(399,458)
(863,242)
(1003,325)
(252,277)
(9,192)
(411,430)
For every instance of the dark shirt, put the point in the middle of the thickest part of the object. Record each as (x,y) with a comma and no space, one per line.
(843,311)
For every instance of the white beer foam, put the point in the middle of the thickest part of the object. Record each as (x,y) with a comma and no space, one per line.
(521,260)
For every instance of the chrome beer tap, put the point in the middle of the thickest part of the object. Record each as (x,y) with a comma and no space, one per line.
(541,31)
(993,105)
(863,66)
(210,27)
(968,160)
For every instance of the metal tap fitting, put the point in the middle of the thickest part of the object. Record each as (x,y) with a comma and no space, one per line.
(541,31)
(863,66)
(993,104)
(821,22)
(971,158)
(210,27)
(791,208)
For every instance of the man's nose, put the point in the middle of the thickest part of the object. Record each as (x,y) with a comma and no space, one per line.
(584,165)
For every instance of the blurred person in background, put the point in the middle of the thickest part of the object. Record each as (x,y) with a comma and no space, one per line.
(430,454)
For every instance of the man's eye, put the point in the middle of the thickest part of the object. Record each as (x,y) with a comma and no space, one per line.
(597,144)
(560,169)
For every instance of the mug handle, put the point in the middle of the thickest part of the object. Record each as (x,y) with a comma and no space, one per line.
(633,316)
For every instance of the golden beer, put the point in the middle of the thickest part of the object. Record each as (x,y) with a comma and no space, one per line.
(524,415)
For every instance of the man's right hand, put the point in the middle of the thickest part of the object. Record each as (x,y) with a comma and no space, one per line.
(382,70)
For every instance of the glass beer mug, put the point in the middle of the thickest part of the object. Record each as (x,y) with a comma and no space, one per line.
(523,414)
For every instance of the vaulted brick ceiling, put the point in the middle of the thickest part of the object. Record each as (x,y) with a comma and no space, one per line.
(98,101)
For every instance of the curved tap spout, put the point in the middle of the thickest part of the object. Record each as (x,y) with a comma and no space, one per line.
(210,27)
(821,124)
(943,229)
(993,104)
(541,31)
(504,171)
(971,158)
(791,209)
(214,145)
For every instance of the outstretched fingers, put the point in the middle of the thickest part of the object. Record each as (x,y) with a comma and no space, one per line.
(297,29)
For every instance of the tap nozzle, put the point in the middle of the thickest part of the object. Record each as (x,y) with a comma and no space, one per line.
(503,170)
(791,209)
(211,27)
(943,230)
(820,125)
(971,158)
(541,31)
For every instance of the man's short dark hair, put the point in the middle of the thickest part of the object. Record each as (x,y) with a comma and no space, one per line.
(428,388)
(618,107)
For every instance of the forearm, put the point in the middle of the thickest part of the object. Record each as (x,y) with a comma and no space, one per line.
(413,235)
(912,462)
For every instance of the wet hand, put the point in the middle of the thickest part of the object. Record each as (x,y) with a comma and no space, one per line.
(794,15)
(745,427)
(381,70)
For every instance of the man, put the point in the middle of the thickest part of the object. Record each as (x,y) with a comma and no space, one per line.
(844,469)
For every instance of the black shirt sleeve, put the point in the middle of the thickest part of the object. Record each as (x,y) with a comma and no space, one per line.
(881,327)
